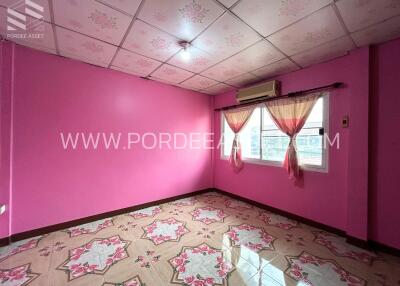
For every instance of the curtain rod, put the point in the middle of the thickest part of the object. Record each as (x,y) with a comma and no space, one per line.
(289,95)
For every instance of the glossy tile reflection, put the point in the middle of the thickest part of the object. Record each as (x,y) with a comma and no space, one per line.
(210,239)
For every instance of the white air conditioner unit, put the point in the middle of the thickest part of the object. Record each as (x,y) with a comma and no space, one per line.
(266,89)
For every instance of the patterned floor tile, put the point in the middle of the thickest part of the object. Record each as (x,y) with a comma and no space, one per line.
(209,239)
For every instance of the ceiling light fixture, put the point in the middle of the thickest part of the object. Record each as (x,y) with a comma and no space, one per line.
(185,54)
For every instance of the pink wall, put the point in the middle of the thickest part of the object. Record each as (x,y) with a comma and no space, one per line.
(5,129)
(322,197)
(52,185)
(385,145)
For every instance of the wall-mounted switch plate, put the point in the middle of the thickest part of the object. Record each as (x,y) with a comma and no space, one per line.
(2,209)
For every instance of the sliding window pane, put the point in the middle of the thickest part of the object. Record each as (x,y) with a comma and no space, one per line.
(250,136)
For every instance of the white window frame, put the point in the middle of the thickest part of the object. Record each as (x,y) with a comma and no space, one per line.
(314,168)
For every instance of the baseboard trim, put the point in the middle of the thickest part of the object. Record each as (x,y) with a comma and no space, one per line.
(76,222)
(370,244)
(365,244)
(284,213)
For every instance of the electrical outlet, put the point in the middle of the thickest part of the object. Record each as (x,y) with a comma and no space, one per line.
(2,209)
(345,121)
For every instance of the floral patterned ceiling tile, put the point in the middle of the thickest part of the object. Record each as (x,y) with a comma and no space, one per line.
(256,56)
(218,89)
(358,14)
(151,42)
(224,70)
(197,62)
(182,18)
(198,82)
(135,63)
(227,36)
(128,6)
(42,10)
(92,18)
(171,74)
(328,51)
(268,17)
(227,3)
(382,32)
(43,31)
(319,28)
(128,71)
(243,80)
(280,67)
(78,46)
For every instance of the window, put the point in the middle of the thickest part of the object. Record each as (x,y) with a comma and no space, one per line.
(263,142)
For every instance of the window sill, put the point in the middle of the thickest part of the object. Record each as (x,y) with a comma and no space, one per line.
(307,168)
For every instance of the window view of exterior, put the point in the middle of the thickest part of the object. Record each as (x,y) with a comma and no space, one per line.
(262,140)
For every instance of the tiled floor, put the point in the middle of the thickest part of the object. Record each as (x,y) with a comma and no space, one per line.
(206,240)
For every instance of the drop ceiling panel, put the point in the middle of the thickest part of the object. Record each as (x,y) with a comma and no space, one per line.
(126,70)
(280,67)
(387,30)
(135,63)
(243,80)
(358,14)
(151,42)
(218,89)
(81,47)
(91,18)
(258,55)
(128,6)
(182,18)
(328,51)
(171,74)
(226,36)
(228,3)
(270,16)
(197,62)
(198,82)
(321,27)
(224,70)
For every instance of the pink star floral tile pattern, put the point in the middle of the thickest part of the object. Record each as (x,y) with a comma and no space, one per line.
(270,16)
(230,40)
(225,37)
(183,18)
(135,63)
(150,42)
(279,67)
(368,12)
(198,82)
(319,28)
(381,32)
(328,51)
(128,6)
(212,240)
(93,19)
(198,61)
(78,46)
(171,74)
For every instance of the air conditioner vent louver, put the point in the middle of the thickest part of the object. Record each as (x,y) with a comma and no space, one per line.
(271,88)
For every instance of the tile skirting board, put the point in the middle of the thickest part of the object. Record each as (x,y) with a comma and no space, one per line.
(352,240)
(370,244)
(60,226)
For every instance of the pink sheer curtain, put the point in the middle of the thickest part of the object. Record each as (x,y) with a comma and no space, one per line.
(237,119)
(290,116)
